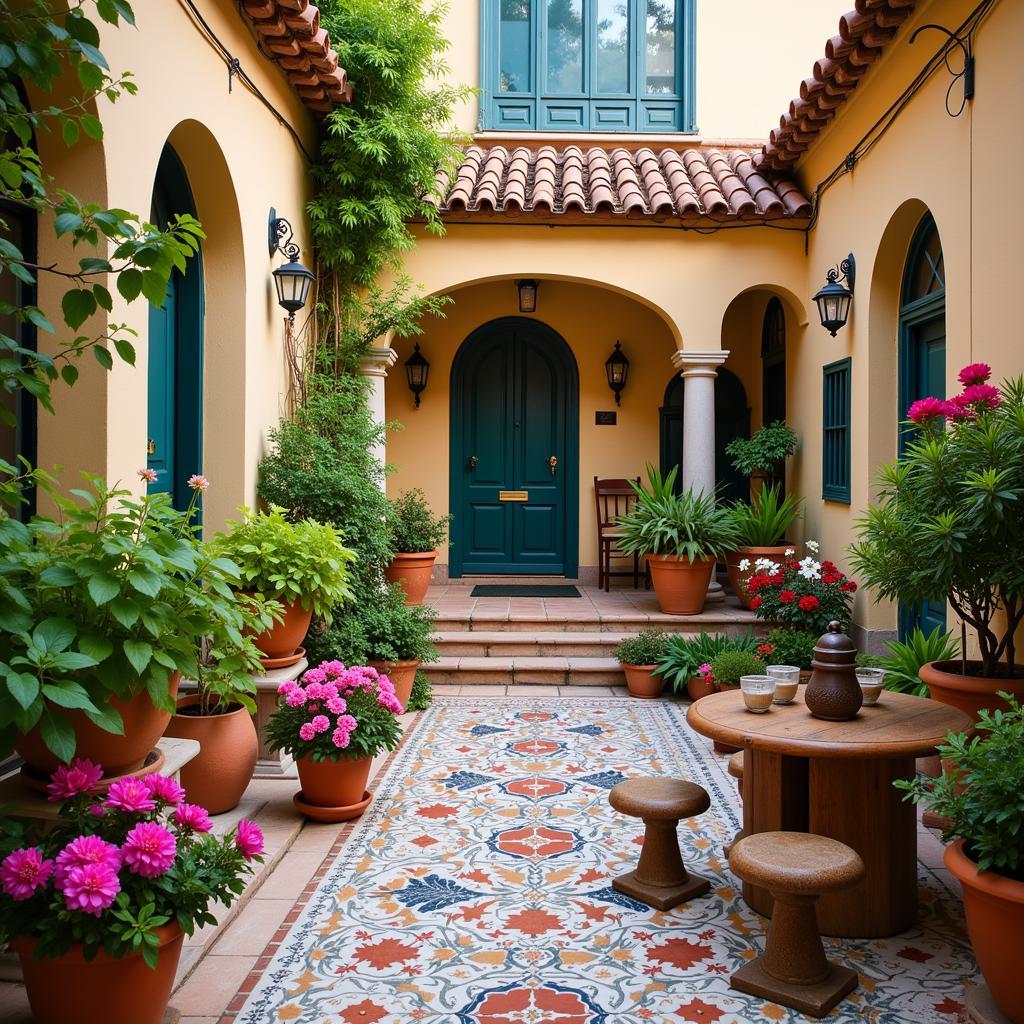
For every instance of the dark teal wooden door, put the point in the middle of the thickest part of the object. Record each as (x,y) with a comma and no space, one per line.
(160,455)
(514,452)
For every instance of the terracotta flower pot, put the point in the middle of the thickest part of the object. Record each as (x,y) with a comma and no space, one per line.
(969,694)
(228,747)
(697,686)
(103,991)
(144,724)
(280,643)
(681,586)
(412,570)
(334,783)
(994,908)
(402,675)
(641,683)
(738,578)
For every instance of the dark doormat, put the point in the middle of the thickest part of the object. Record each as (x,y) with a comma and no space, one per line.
(523,590)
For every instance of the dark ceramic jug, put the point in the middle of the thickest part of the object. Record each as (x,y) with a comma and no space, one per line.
(833,692)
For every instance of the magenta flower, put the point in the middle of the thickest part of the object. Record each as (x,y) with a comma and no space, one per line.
(296,698)
(333,669)
(340,738)
(320,723)
(164,788)
(925,410)
(149,475)
(287,687)
(149,849)
(85,850)
(981,396)
(23,871)
(131,795)
(313,688)
(192,817)
(337,706)
(958,410)
(91,888)
(198,482)
(72,780)
(975,373)
(249,839)
(306,732)
(314,676)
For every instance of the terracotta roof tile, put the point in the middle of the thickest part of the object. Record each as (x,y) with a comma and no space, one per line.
(863,35)
(614,182)
(289,33)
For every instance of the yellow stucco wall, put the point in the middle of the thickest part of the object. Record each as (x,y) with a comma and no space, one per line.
(240,161)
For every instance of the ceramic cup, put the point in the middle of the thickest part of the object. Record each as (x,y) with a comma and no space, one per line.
(871,681)
(758,692)
(787,681)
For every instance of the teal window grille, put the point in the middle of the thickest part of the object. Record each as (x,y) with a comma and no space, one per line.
(835,447)
(587,65)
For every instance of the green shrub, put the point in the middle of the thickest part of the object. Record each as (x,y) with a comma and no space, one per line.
(760,453)
(684,655)
(414,528)
(905,658)
(730,666)
(763,522)
(643,649)
(789,647)
(422,696)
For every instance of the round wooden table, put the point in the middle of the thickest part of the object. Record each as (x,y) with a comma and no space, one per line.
(802,774)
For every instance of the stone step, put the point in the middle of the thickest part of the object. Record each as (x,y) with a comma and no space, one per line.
(726,619)
(546,671)
(542,644)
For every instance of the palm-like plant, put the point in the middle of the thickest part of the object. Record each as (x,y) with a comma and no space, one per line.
(903,663)
(763,522)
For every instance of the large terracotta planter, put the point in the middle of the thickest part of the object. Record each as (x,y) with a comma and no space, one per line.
(402,675)
(994,908)
(103,991)
(280,643)
(738,578)
(681,585)
(144,724)
(228,747)
(969,694)
(641,683)
(333,783)
(412,570)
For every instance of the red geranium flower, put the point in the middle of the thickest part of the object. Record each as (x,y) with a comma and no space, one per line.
(755,603)
(831,577)
(777,579)
(765,649)
(756,582)
(808,603)
(849,586)
(787,597)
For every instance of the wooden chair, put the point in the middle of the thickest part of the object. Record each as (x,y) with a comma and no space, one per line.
(614,498)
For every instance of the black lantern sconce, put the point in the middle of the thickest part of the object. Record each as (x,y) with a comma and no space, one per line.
(292,280)
(616,368)
(527,295)
(417,370)
(834,298)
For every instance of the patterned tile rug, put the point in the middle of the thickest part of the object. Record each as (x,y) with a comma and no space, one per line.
(477,890)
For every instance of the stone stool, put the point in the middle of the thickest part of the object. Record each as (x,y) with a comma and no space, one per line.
(796,868)
(660,879)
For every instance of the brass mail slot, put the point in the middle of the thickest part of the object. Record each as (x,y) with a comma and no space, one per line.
(513,495)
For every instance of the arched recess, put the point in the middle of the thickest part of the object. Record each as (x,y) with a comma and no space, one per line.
(773,362)
(732,420)
(514,451)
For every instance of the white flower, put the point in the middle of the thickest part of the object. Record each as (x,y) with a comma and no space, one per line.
(810,573)
(790,552)
(813,546)
(744,564)
(766,565)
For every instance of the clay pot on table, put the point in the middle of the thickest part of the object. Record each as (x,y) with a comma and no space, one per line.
(680,585)
(413,571)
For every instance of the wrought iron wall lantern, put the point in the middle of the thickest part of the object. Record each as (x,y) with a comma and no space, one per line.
(527,289)
(292,280)
(417,369)
(616,368)
(834,298)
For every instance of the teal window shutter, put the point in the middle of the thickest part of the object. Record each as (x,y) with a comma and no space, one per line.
(588,65)
(835,446)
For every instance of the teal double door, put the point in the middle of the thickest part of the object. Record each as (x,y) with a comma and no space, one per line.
(514,452)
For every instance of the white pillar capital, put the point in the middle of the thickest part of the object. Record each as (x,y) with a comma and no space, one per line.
(699,362)
(377,362)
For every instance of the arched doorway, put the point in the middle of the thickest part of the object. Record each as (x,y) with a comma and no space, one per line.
(922,363)
(515,452)
(732,420)
(175,387)
(773,362)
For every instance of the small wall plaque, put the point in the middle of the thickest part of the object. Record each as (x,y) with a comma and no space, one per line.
(513,495)
(606,419)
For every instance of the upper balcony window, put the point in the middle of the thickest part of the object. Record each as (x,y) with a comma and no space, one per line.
(588,65)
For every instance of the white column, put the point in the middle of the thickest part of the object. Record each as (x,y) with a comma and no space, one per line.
(699,368)
(375,365)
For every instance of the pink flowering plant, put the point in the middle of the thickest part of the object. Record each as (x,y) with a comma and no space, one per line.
(121,865)
(333,713)
(949,519)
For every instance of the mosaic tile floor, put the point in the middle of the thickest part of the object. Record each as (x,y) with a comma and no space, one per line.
(476,890)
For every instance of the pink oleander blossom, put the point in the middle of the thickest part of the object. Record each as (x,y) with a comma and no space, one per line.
(192,817)
(249,839)
(307,732)
(981,396)
(91,888)
(131,795)
(149,849)
(925,410)
(164,788)
(975,373)
(148,475)
(85,850)
(320,723)
(704,670)
(72,780)
(24,871)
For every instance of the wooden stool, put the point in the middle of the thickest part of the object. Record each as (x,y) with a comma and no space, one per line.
(796,868)
(660,879)
(735,769)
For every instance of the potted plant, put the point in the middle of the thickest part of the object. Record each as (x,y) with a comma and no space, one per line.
(730,666)
(760,457)
(303,566)
(102,611)
(906,658)
(416,534)
(638,656)
(786,645)
(761,524)
(334,721)
(981,798)
(681,536)
(98,906)
(683,657)
(948,524)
